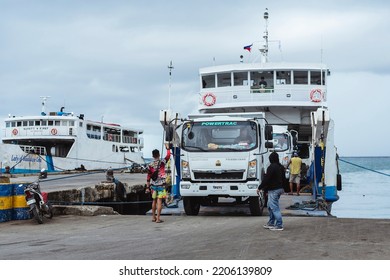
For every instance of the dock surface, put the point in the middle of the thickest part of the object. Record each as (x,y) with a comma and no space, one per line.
(221,233)
(179,237)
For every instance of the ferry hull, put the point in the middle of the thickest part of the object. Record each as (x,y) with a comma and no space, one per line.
(21,162)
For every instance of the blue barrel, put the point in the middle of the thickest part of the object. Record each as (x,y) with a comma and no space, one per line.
(5,202)
(20,209)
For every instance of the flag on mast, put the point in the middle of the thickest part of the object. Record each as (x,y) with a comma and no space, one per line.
(248,48)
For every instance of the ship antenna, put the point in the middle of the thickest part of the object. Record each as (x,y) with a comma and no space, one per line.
(170,67)
(44,98)
(264,49)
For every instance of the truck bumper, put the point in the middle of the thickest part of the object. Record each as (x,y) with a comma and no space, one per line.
(219,189)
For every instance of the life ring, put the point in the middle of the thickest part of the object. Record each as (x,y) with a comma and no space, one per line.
(15,131)
(316,95)
(53,131)
(209,99)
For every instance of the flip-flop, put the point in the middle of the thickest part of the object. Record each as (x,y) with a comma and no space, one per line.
(160,221)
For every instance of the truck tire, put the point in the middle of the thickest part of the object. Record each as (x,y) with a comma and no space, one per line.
(256,205)
(191,205)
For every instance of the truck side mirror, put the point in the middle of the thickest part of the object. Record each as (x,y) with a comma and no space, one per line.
(294,135)
(169,134)
(268,132)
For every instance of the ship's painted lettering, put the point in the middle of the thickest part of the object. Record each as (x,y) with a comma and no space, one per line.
(36,128)
(29,158)
(219,123)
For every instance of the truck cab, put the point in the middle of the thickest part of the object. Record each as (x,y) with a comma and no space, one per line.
(223,156)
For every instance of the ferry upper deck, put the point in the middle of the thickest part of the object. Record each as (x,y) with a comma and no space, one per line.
(262,85)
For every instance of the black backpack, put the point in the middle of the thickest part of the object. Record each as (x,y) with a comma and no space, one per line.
(154,175)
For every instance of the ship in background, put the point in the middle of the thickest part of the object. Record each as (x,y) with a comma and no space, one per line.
(293,98)
(61,141)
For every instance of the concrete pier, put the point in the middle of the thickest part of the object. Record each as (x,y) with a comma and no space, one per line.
(217,233)
(76,193)
(204,237)
(84,188)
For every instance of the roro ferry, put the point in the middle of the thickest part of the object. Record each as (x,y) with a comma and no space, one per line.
(293,98)
(61,141)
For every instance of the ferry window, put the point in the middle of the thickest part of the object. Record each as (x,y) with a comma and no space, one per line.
(300,77)
(18,123)
(315,78)
(30,123)
(37,123)
(224,80)
(283,77)
(24,123)
(208,81)
(44,123)
(71,123)
(240,78)
(262,78)
(64,123)
(80,124)
(7,124)
(13,124)
(50,123)
(57,123)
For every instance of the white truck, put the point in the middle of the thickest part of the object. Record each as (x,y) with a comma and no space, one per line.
(223,156)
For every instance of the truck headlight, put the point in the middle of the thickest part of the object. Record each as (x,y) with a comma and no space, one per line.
(252,169)
(185,169)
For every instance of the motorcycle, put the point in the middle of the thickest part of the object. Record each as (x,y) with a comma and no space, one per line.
(38,203)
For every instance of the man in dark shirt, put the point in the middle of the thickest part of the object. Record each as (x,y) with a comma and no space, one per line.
(273,183)
(262,83)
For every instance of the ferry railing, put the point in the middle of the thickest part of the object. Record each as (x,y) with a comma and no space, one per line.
(28,132)
(296,94)
(130,139)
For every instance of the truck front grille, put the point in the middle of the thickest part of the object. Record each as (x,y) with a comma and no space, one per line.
(225,175)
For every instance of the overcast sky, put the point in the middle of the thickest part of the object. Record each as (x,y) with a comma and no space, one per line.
(108,59)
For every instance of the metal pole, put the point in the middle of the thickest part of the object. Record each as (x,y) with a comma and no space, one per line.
(170,67)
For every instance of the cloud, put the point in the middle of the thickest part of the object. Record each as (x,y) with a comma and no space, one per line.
(109,59)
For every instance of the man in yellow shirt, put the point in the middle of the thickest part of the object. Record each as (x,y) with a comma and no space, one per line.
(295,172)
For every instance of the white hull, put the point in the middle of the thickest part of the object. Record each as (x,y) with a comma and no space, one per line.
(21,162)
(61,142)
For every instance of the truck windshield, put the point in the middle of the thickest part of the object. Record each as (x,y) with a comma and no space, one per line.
(219,136)
(280,142)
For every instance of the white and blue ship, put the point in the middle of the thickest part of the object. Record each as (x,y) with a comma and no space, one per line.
(61,141)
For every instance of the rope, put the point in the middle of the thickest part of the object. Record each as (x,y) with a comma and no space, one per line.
(84,174)
(99,203)
(354,164)
(75,175)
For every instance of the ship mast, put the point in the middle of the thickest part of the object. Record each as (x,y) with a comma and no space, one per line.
(170,67)
(264,48)
(44,98)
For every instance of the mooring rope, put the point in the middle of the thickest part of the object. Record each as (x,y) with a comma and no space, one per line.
(100,202)
(369,169)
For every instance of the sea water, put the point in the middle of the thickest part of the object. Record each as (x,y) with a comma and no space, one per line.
(365,193)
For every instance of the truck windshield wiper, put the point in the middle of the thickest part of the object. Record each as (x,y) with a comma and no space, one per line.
(195,147)
(231,149)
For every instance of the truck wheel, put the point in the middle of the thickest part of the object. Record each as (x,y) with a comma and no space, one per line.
(191,205)
(256,205)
